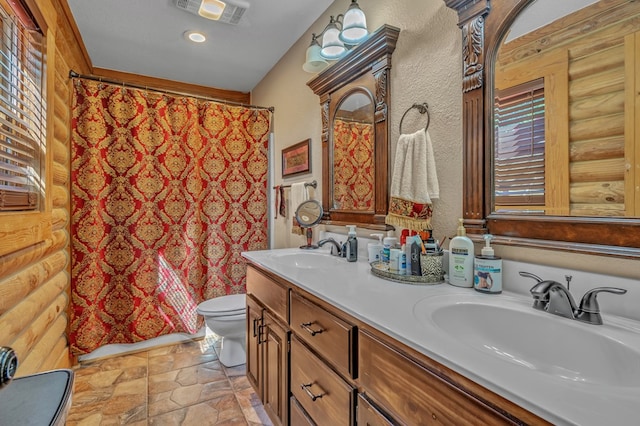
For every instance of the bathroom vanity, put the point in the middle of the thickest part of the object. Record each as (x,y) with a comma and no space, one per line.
(330,343)
(343,371)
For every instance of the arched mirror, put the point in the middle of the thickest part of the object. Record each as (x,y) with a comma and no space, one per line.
(352,150)
(551,126)
(355,134)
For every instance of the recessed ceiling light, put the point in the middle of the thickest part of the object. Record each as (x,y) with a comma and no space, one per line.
(195,36)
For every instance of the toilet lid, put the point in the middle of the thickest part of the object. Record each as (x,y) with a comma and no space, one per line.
(225,305)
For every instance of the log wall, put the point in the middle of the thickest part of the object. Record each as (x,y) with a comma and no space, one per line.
(34,280)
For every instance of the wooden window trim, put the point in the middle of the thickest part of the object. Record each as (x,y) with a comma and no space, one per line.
(19,230)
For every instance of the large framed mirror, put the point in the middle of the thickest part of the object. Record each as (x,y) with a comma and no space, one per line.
(552,129)
(354,95)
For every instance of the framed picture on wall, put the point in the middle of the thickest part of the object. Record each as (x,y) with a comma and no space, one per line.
(296,159)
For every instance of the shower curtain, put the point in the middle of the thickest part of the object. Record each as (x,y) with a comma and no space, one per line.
(166,192)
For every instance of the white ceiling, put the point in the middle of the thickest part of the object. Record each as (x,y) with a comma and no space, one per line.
(145,37)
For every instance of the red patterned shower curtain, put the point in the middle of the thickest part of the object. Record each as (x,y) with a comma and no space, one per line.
(353,165)
(165,194)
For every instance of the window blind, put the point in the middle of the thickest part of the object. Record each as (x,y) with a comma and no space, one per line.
(520,145)
(22,115)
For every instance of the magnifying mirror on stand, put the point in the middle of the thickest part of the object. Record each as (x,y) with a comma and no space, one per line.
(308,214)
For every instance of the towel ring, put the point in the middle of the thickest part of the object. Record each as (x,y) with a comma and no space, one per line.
(422,108)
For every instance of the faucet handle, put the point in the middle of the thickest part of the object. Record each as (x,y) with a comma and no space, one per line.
(589,301)
(530,275)
(589,310)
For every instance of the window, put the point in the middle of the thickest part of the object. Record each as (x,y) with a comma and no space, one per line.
(520,145)
(22,114)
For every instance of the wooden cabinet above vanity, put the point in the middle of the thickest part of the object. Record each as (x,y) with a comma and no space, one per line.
(343,371)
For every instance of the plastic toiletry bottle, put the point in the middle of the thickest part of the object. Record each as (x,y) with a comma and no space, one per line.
(375,249)
(394,260)
(387,244)
(487,269)
(402,263)
(352,244)
(461,258)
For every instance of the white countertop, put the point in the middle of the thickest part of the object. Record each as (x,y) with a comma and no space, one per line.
(389,307)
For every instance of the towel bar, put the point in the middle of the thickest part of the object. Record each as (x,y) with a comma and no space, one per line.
(312,184)
(422,108)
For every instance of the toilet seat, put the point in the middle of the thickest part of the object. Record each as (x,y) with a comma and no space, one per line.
(223,318)
(224,306)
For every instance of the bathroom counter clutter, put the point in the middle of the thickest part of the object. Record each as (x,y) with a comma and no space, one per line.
(563,371)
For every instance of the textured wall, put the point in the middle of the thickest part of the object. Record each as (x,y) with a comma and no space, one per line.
(427,67)
(428,52)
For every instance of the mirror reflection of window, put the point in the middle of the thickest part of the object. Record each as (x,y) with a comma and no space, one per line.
(353,154)
(591,103)
(519,150)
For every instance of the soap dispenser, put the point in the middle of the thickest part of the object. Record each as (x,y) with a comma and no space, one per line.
(375,249)
(461,258)
(352,244)
(487,269)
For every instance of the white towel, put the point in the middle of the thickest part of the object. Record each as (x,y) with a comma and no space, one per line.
(299,194)
(414,182)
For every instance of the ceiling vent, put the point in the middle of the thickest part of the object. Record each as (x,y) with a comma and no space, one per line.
(228,11)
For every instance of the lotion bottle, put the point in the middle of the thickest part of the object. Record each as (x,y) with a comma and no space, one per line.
(461,258)
(487,269)
(352,244)
(375,249)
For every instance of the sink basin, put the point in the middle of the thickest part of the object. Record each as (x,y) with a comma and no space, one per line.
(38,399)
(309,260)
(512,331)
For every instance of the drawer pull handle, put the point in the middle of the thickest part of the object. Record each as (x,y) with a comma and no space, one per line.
(307,327)
(308,391)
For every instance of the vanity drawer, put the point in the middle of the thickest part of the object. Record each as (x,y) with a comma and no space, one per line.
(415,395)
(298,417)
(330,336)
(322,393)
(369,415)
(272,295)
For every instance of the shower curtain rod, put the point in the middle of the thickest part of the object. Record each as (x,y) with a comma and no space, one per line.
(73,74)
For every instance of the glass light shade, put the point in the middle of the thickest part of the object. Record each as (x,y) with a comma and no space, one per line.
(354,27)
(211,9)
(315,62)
(332,46)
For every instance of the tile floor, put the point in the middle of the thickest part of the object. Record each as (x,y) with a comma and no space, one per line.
(181,384)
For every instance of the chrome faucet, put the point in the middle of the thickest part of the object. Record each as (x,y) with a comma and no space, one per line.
(336,249)
(555,298)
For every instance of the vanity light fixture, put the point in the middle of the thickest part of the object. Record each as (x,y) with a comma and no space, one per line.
(195,36)
(340,34)
(315,62)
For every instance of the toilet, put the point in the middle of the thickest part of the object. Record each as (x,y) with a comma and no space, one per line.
(226,317)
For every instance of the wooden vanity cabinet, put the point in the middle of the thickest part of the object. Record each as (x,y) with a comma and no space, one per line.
(312,363)
(268,344)
(416,395)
